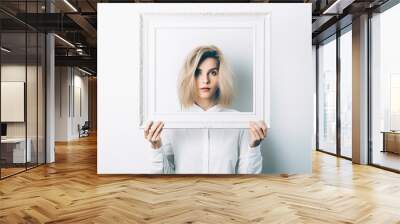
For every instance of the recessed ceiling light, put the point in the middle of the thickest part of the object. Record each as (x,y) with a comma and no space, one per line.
(64,40)
(84,71)
(337,7)
(5,50)
(70,5)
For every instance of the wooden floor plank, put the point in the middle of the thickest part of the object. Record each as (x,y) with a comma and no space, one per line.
(70,191)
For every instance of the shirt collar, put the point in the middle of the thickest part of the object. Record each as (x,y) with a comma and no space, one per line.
(197,108)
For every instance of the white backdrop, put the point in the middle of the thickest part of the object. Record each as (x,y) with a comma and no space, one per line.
(287,149)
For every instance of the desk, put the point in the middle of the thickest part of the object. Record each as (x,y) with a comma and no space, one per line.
(13,150)
(391,141)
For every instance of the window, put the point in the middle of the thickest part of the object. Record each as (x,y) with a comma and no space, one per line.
(327,96)
(346,93)
(385,89)
(334,138)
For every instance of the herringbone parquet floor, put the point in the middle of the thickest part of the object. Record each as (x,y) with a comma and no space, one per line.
(70,191)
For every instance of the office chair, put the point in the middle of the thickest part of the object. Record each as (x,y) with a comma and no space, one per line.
(84,130)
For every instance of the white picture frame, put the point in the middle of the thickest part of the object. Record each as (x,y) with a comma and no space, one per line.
(259,23)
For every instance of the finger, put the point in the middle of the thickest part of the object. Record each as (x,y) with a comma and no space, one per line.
(146,128)
(266,131)
(153,129)
(158,131)
(263,127)
(265,124)
(259,131)
(158,137)
(251,133)
(256,133)
(252,126)
(260,126)
(266,128)
(145,134)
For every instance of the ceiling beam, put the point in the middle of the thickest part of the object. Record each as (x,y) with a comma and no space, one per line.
(84,24)
(337,7)
(85,61)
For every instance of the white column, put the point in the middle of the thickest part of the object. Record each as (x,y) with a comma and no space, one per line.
(360,90)
(50,110)
(50,93)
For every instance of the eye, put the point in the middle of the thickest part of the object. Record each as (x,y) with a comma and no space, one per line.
(214,72)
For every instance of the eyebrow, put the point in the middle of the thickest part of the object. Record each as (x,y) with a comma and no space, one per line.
(209,69)
(198,69)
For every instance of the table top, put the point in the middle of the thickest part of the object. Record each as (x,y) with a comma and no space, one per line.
(13,140)
(390,132)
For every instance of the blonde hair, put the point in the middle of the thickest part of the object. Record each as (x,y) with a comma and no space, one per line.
(187,80)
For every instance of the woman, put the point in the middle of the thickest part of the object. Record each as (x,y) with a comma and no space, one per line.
(205,85)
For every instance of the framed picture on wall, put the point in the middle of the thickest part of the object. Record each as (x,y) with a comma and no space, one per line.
(12,101)
(170,56)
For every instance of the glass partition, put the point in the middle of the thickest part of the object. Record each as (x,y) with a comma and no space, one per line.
(327,96)
(22,77)
(14,153)
(31,100)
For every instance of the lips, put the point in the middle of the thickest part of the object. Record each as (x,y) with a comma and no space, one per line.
(205,89)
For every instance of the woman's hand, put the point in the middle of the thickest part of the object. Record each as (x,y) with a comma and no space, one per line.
(152,132)
(258,131)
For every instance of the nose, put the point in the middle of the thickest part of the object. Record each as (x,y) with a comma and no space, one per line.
(205,79)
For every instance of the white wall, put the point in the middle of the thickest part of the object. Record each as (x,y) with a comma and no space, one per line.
(61,103)
(68,81)
(121,147)
(80,84)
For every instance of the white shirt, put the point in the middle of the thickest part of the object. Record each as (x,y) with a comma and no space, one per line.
(216,151)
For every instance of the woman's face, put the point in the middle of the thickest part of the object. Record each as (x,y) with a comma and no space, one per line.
(207,78)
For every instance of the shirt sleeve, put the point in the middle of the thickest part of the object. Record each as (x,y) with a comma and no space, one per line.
(250,158)
(163,157)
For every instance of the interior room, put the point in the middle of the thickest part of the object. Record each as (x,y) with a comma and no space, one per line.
(22,104)
(313,135)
